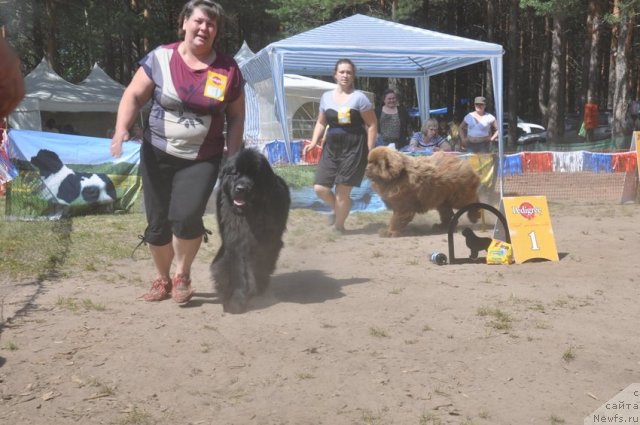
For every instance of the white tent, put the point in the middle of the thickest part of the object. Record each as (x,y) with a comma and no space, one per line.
(302,98)
(89,107)
(379,48)
(99,83)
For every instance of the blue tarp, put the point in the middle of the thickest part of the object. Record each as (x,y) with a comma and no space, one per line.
(415,111)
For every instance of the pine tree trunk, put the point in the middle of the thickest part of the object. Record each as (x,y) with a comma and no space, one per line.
(557,78)
(620,96)
(51,24)
(512,65)
(612,57)
(594,25)
(491,23)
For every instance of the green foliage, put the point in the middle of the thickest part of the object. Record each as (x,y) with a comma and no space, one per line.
(553,7)
(301,15)
(628,8)
(297,16)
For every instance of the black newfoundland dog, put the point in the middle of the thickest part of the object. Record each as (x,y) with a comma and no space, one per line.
(252,209)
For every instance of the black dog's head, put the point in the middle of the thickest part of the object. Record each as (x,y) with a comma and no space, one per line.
(48,162)
(468,233)
(244,178)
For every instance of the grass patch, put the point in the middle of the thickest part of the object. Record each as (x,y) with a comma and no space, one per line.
(303,375)
(103,389)
(501,320)
(430,419)
(11,346)
(569,355)
(73,304)
(297,176)
(371,418)
(32,250)
(136,417)
(378,333)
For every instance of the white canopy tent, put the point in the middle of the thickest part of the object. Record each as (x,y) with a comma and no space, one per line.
(302,98)
(89,106)
(379,48)
(99,83)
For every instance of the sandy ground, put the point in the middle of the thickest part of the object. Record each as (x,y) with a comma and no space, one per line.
(355,329)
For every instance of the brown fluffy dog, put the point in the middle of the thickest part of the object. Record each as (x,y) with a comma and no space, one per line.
(409,185)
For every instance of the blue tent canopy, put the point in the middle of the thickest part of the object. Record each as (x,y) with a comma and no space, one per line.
(379,48)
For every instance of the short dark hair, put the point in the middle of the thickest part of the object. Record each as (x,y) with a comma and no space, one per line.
(211,8)
(347,61)
(387,92)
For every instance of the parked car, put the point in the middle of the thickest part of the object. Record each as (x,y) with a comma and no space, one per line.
(528,133)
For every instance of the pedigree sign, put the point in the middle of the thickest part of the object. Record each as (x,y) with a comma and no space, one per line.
(530,228)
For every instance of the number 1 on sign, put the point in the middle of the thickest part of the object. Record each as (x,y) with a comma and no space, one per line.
(530,230)
(534,242)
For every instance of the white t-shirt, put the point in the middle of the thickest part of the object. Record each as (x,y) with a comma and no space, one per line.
(482,128)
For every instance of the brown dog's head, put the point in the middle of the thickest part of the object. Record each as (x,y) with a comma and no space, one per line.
(384,164)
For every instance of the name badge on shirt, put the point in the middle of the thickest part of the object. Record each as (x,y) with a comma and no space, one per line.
(215,86)
(344,115)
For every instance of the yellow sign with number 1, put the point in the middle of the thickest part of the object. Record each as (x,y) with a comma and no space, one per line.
(530,229)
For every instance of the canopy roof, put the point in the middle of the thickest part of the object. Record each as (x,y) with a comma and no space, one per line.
(380,49)
(48,91)
(99,83)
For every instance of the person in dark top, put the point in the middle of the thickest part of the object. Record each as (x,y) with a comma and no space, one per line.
(195,90)
(352,130)
(393,120)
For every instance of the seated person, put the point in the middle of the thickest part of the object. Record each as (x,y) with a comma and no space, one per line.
(453,135)
(68,129)
(51,126)
(428,139)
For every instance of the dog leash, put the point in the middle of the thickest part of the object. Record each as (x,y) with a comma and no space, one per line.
(142,241)
(205,236)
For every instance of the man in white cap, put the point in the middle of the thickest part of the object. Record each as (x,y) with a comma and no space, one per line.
(478,128)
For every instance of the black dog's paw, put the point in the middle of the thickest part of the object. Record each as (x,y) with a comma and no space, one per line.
(236,304)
